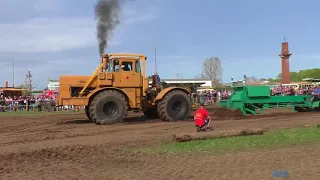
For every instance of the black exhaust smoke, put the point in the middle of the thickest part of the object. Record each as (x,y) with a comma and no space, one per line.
(107,16)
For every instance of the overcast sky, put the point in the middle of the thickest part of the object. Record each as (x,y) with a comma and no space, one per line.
(53,37)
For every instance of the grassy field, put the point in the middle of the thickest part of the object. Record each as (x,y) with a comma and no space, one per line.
(34,113)
(284,137)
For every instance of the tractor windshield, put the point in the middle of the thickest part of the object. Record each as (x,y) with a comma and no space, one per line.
(109,66)
(116,65)
(138,68)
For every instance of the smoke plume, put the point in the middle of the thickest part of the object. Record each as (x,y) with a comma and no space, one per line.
(107,16)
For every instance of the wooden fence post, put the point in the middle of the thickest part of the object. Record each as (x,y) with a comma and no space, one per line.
(27,105)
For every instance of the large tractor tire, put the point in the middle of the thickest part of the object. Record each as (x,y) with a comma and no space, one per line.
(108,107)
(176,105)
(86,109)
(151,113)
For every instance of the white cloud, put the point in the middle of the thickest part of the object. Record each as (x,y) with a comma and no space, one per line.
(48,35)
(54,34)
(133,16)
(142,18)
(45,5)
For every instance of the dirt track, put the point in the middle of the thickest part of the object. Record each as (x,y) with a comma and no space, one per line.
(69,147)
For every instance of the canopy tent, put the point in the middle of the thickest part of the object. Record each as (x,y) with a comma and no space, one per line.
(311,80)
(193,86)
(12,91)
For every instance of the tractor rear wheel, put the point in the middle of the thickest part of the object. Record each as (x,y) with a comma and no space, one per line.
(151,113)
(108,107)
(176,105)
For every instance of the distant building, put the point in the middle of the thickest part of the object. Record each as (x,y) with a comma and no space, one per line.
(203,83)
(53,84)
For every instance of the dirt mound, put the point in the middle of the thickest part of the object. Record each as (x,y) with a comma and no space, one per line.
(224,113)
(214,135)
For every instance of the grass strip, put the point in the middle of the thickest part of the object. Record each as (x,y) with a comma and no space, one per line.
(283,137)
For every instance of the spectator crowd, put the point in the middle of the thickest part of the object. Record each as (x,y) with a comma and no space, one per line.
(292,90)
(211,96)
(20,103)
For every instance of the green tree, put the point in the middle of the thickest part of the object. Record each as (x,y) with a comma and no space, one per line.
(212,70)
(297,76)
(21,86)
(252,79)
(302,74)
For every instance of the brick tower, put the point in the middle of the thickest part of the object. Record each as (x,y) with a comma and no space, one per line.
(285,70)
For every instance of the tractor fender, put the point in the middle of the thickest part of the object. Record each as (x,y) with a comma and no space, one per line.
(93,93)
(169,89)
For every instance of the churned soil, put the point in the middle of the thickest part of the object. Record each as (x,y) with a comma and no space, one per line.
(222,113)
(70,147)
(225,114)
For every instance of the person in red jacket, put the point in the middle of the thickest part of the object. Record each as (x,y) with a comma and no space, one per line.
(202,118)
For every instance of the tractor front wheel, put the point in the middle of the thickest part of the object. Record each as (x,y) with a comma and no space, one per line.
(108,107)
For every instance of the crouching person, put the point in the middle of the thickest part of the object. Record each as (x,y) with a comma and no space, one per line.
(202,119)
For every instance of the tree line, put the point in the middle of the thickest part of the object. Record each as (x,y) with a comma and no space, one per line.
(213,71)
(296,76)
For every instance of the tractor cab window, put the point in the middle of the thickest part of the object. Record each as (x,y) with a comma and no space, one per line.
(116,65)
(109,66)
(127,66)
(138,68)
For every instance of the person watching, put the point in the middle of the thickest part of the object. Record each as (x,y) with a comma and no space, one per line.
(202,118)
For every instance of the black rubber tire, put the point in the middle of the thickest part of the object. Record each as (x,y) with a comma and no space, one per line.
(298,109)
(151,113)
(301,109)
(86,109)
(98,107)
(165,106)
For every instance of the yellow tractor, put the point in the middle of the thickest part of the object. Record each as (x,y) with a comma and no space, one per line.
(118,85)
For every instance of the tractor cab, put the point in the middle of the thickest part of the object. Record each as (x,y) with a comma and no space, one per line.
(126,71)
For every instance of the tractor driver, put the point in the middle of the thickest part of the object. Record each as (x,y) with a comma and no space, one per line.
(202,118)
(125,66)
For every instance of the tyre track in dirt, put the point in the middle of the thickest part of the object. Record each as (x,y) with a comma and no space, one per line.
(300,161)
(86,151)
(90,134)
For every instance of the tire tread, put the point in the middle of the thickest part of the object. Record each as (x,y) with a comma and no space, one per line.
(102,94)
(162,104)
